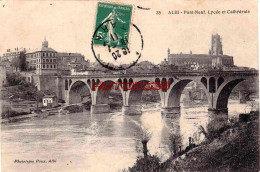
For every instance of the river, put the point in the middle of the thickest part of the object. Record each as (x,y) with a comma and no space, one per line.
(103,142)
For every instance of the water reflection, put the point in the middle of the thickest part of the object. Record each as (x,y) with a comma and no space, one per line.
(83,141)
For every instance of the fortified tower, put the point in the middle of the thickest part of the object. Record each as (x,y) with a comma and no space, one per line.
(216,45)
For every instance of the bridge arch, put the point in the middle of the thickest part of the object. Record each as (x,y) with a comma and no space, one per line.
(137,89)
(212,85)
(204,81)
(223,93)
(174,95)
(220,81)
(66,84)
(105,89)
(77,91)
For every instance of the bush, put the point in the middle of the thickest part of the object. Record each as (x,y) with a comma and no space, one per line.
(149,164)
(74,108)
(17,87)
(8,112)
(14,79)
(61,101)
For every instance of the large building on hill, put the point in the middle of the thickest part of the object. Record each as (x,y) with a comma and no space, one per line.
(11,54)
(47,61)
(215,58)
(68,62)
(43,60)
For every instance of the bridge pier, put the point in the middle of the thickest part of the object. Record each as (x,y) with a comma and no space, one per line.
(132,110)
(100,108)
(242,97)
(216,120)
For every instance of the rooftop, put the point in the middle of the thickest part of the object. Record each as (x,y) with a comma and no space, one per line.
(49,96)
(62,54)
(45,49)
(195,55)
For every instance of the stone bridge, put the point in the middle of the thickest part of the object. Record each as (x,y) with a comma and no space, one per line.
(217,85)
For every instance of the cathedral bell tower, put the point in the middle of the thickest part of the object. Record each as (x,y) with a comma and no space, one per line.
(216,45)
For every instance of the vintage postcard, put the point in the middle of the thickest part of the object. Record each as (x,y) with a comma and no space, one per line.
(138,86)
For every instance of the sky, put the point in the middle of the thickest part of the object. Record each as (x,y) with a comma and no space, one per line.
(69,26)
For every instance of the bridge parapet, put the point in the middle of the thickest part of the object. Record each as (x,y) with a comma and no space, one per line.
(217,85)
(169,74)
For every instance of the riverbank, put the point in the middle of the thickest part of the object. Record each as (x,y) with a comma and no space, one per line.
(11,114)
(234,148)
(18,118)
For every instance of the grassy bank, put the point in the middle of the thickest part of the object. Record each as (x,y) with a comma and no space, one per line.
(233,147)
(18,96)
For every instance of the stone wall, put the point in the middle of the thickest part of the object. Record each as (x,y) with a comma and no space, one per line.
(49,83)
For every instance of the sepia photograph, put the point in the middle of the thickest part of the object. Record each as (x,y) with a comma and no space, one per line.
(129,86)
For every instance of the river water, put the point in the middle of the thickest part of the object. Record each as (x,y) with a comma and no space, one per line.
(103,142)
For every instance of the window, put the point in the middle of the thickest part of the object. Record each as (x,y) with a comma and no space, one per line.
(47,66)
(54,66)
(47,60)
(51,66)
(43,54)
(43,66)
(44,101)
(54,60)
(51,60)
(43,60)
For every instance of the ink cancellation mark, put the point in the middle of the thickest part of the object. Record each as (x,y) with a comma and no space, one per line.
(110,41)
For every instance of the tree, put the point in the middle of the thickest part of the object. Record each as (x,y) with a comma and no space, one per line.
(39,95)
(16,63)
(19,62)
(23,65)
(14,79)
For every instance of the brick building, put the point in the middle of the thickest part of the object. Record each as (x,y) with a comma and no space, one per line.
(71,61)
(43,60)
(17,53)
(214,59)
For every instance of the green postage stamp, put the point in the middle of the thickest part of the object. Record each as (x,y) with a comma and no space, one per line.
(112,25)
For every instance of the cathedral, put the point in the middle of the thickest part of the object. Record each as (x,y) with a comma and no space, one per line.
(214,59)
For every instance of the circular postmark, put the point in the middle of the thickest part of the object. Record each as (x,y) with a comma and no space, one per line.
(113,51)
